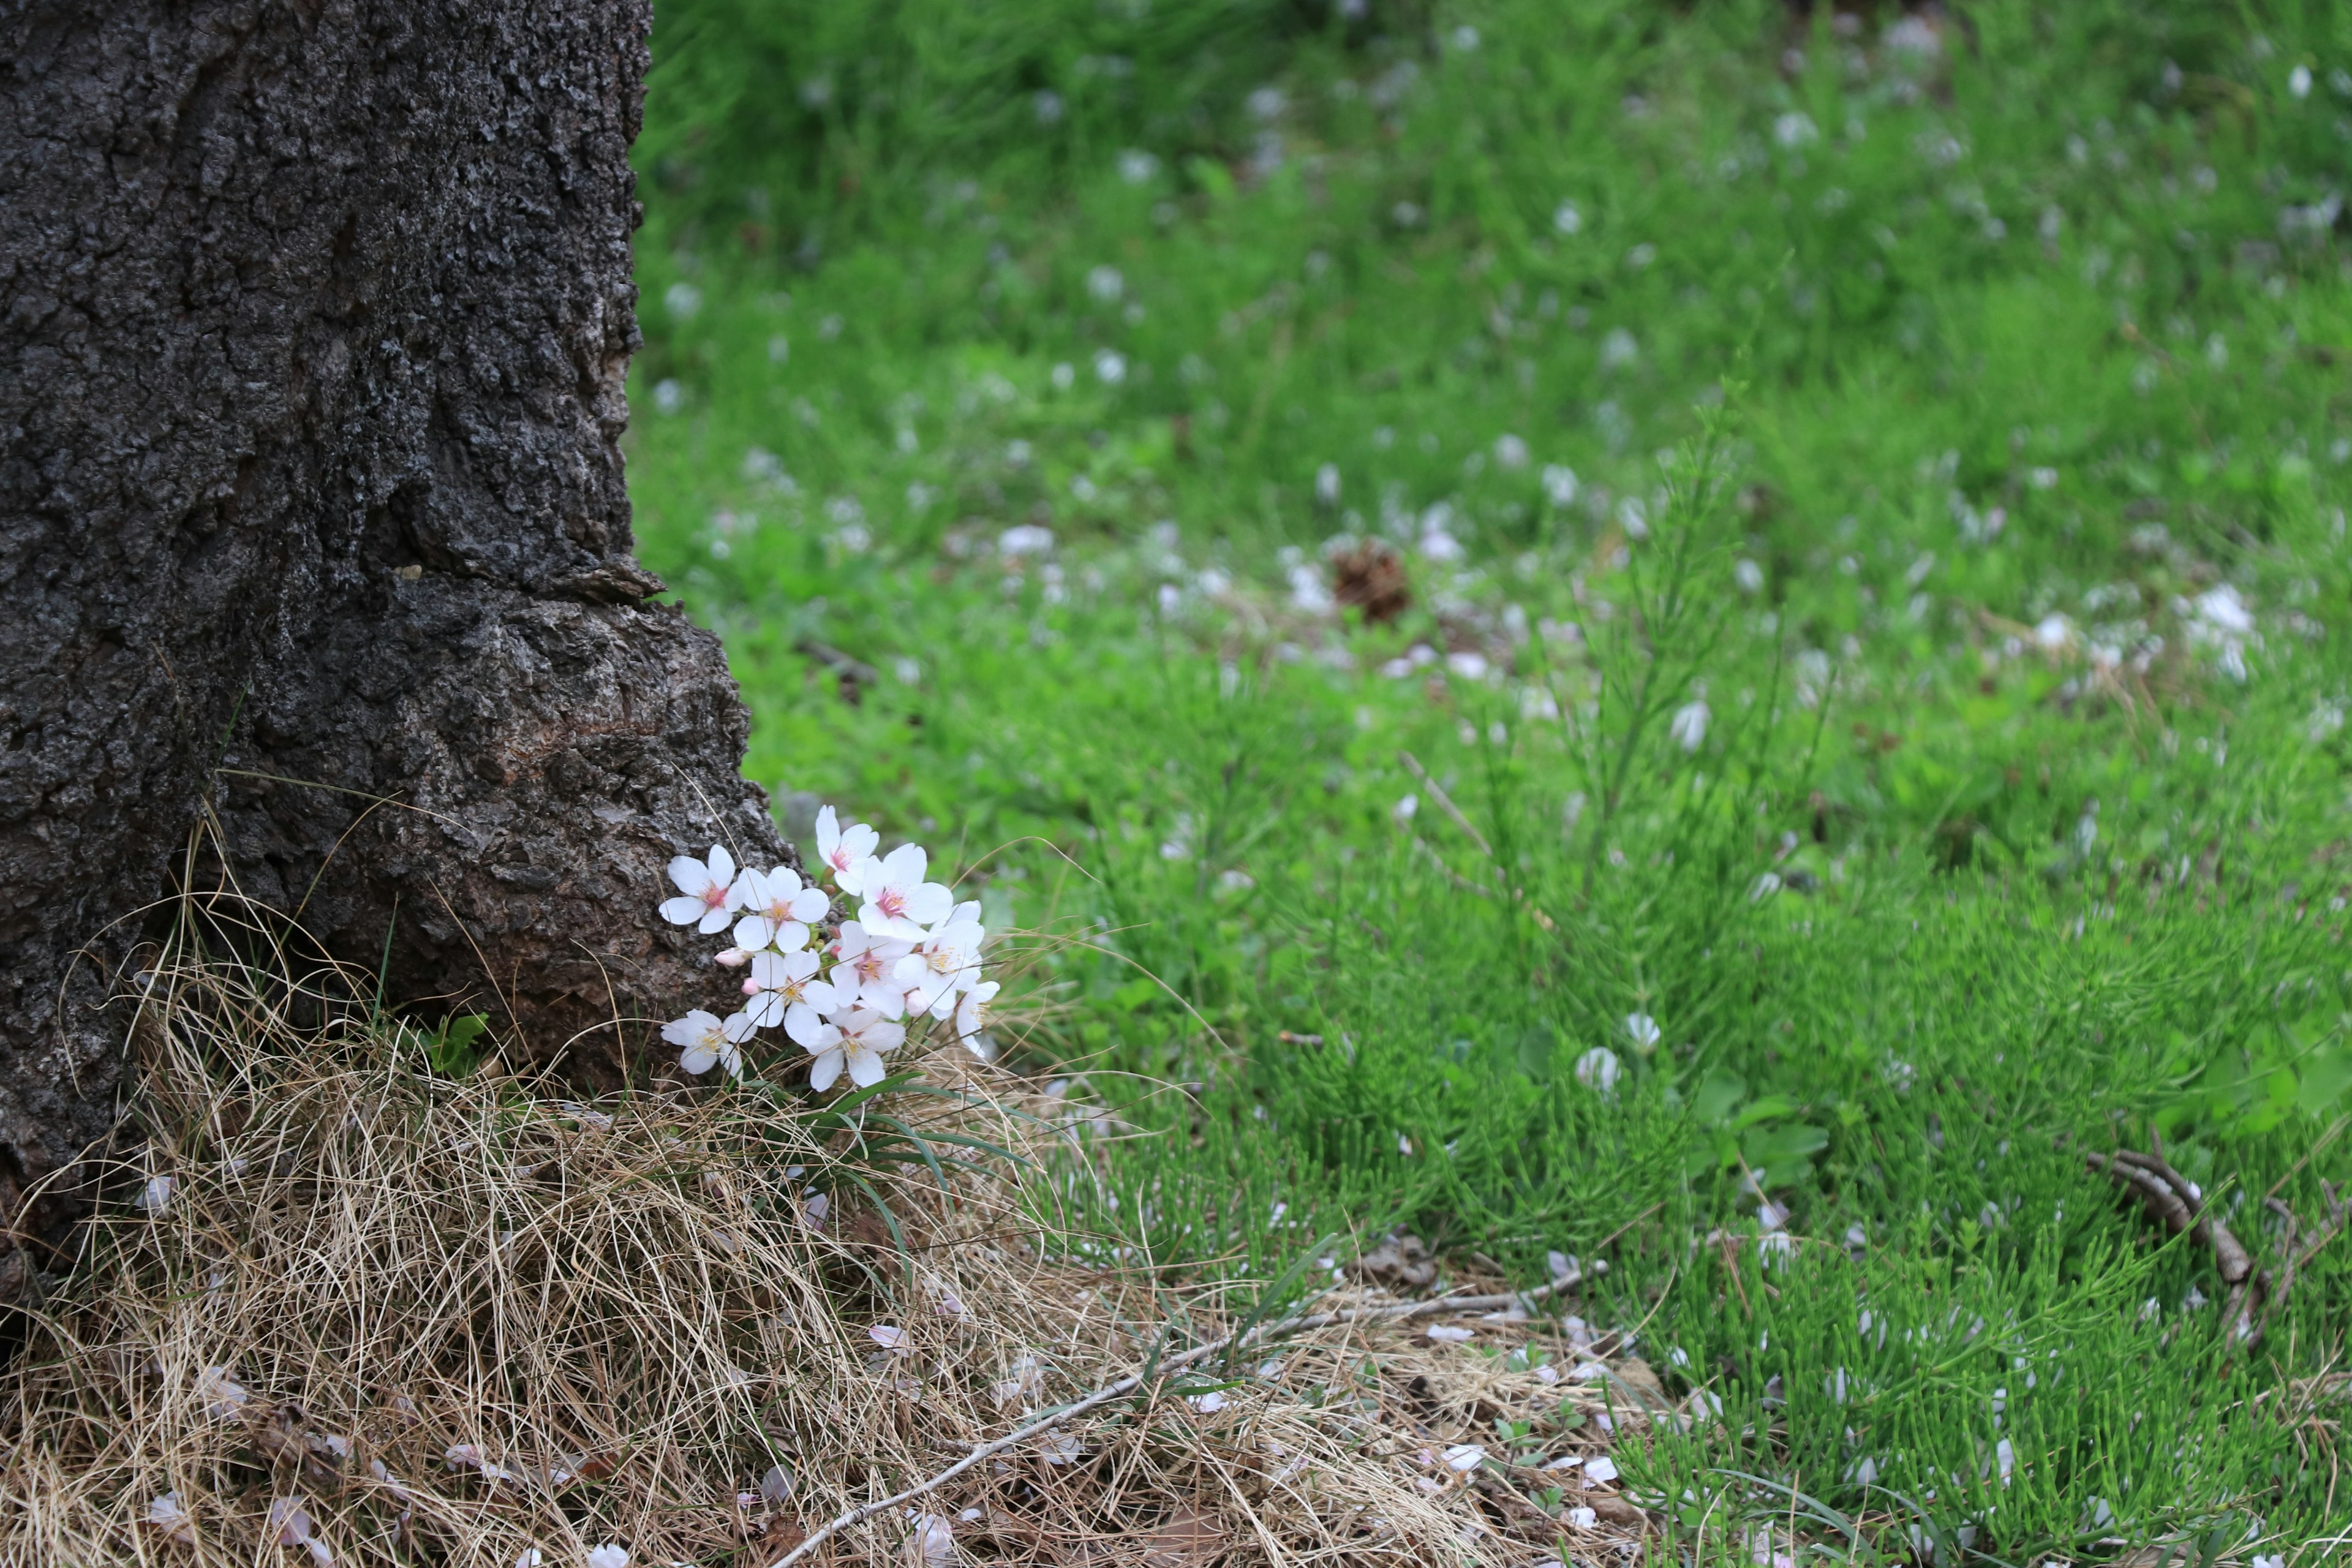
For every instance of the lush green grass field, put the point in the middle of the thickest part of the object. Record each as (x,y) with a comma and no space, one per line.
(1872,494)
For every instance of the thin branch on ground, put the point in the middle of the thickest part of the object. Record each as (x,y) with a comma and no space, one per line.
(1303,1323)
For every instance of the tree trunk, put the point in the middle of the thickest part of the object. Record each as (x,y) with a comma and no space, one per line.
(313,321)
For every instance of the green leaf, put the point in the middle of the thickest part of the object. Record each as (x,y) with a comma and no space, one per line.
(1717,1097)
(2325,1076)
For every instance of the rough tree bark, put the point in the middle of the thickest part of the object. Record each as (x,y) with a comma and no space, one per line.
(313,319)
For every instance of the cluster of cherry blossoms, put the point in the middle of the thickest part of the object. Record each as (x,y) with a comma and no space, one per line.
(846,991)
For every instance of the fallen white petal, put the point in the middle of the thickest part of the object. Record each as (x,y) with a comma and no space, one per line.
(167,1515)
(288,1521)
(1448,1333)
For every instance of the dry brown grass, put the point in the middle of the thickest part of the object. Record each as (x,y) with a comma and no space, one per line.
(461,1320)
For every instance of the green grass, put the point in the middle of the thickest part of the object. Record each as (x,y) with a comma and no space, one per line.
(1912,365)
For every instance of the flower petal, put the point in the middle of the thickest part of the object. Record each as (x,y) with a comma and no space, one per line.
(753,888)
(722,865)
(825,1070)
(687,1030)
(866,1068)
(929,904)
(753,933)
(699,1059)
(737,1028)
(714,920)
(690,876)
(904,867)
(682,912)
(808,905)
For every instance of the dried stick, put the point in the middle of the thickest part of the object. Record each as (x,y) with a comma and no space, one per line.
(2170,1197)
(1445,803)
(1129,1384)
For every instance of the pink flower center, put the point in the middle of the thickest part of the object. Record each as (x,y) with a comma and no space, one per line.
(891,901)
(715,897)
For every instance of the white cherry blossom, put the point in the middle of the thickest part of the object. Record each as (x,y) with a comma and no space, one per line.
(899,902)
(860,1038)
(867,969)
(707,891)
(971,1015)
(784,989)
(944,964)
(706,1041)
(781,909)
(844,849)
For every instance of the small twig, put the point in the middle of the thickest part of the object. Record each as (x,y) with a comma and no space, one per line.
(1461,882)
(2170,1197)
(851,674)
(1445,802)
(1129,1384)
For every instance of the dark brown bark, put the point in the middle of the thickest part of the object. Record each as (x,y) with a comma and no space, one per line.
(313,319)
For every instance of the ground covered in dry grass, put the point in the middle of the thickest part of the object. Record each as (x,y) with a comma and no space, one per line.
(355,1309)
